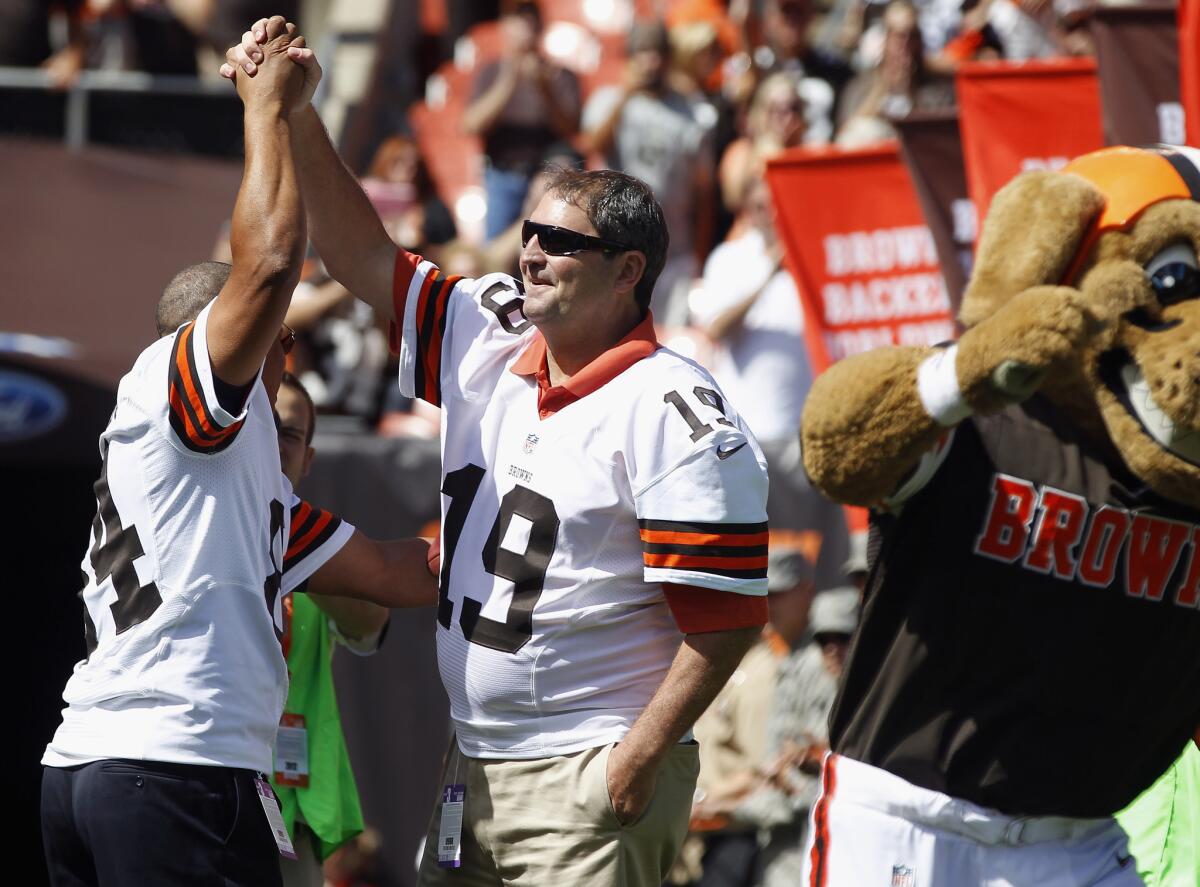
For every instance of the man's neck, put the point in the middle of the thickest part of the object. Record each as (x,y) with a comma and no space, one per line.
(568,352)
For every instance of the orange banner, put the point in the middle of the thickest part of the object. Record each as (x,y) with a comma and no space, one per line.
(1189,67)
(1018,116)
(863,258)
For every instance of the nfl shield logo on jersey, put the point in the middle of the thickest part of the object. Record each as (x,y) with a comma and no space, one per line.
(531,441)
(902,876)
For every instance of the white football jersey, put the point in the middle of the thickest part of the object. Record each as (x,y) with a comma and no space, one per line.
(558,529)
(196,539)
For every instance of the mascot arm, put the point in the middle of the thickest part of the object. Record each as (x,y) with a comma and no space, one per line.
(870,418)
(864,426)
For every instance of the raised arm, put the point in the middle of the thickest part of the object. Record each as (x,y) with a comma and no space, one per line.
(870,418)
(344,226)
(267,234)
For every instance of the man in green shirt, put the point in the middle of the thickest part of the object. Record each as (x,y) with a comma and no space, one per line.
(312,777)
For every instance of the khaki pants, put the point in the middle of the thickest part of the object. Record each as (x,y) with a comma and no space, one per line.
(550,823)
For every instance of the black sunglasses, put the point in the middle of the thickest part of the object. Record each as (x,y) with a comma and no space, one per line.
(556,241)
(287,339)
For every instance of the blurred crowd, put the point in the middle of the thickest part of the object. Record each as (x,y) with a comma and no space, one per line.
(704,93)
(703,97)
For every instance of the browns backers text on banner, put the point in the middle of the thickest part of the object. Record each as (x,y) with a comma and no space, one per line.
(863,258)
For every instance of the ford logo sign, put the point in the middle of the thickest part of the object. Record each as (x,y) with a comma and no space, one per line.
(29,406)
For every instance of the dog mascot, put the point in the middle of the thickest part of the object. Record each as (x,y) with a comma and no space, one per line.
(1028,660)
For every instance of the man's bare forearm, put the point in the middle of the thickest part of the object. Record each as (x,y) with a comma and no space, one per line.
(390,574)
(355,619)
(267,241)
(700,669)
(344,226)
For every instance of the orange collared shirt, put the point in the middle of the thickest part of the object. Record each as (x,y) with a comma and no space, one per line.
(638,343)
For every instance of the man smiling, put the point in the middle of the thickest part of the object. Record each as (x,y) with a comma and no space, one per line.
(604,537)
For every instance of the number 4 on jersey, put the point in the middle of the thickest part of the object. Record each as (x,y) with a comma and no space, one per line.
(114,549)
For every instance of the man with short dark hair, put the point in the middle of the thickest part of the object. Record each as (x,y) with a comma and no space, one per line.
(155,775)
(604,538)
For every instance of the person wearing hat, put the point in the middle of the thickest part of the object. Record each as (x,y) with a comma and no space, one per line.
(733,731)
(798,736)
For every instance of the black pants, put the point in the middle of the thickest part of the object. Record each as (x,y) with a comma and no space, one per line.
(120,822)
(729,859)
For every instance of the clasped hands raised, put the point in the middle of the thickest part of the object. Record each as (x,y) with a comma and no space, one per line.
(255,65)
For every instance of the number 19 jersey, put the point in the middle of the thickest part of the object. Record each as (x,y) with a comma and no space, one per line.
(560,526)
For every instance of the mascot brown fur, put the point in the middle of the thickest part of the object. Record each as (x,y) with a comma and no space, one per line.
(1031,634)
(864,427)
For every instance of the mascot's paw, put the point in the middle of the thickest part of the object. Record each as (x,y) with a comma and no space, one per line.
(1004,358)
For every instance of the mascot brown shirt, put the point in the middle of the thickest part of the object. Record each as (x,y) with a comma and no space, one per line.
(1030,635)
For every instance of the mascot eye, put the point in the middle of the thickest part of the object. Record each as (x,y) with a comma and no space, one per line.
(1173,274)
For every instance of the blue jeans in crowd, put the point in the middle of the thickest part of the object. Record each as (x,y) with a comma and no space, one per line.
(505,198)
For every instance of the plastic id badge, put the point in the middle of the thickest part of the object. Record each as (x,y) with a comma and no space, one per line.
(291,752)
(450,831)
(271,807)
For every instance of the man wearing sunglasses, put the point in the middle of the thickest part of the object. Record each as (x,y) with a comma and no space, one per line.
(604,537)
(155,775)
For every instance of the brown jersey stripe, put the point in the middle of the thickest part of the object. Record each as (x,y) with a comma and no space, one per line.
(709,550)
(326,528)
(313,524)
(181,384)
(194,390)
(424,325)
(433,353)
(431,343)
(659,537)
(183,424)
(190,417)
(302,522)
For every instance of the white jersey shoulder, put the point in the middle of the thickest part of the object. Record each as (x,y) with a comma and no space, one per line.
(698,476)
(456,334)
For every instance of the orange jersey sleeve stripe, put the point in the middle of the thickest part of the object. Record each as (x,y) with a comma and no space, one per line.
(666,537)
(323,525)
(425,382)
(190,416)
(686,561)
(298,545)
(402,275)
(440,300)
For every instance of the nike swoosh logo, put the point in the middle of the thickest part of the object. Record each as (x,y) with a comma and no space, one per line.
(725,454)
